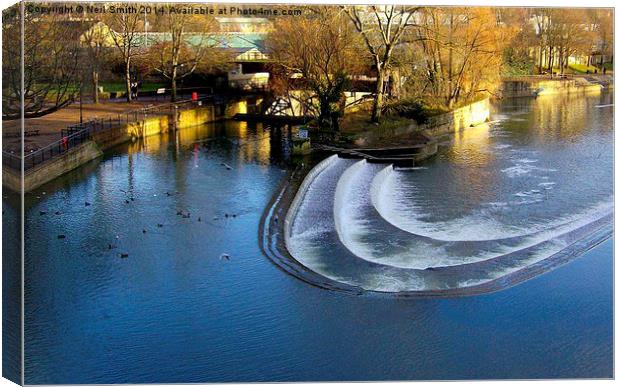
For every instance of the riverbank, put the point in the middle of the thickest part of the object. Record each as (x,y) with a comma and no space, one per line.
(104,135)
(48,128)
(534,86)
(404,132)
(397,138)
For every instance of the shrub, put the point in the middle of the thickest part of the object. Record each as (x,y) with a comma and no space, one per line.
(412,109)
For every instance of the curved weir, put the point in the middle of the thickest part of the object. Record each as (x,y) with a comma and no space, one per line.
(405,215)
(448,227)
(364,231)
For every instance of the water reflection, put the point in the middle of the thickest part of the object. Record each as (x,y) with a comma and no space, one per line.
(173,312)
(501,199)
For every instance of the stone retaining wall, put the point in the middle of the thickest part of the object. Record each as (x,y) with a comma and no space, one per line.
(528,87)
(450,122)
(75,157)
(459,119)
(57,166)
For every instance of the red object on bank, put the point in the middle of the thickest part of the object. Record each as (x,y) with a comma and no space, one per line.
(194,96)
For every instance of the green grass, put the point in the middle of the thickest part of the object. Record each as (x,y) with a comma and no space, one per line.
(53,92)
(582,69)
(109,87)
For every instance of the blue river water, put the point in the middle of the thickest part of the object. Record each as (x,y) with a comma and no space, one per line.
(175,310)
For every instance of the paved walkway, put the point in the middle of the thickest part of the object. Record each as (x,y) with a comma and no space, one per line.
(49,126)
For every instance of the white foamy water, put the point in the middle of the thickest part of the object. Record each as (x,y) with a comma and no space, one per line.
(354,228)
(355,186)
(348,202)
(488,206)
(547,250)
(479,226)
(524,169)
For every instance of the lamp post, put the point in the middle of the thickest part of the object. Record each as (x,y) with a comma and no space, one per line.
(81,102)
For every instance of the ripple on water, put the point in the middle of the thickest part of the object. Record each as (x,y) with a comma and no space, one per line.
(406,230)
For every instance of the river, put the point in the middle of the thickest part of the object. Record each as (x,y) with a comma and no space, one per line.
(160,277)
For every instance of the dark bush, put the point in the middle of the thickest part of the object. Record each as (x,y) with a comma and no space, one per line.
(412,109)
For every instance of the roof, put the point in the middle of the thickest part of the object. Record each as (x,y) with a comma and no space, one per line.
(228,40)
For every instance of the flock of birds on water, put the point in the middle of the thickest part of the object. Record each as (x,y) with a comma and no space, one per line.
(129,199)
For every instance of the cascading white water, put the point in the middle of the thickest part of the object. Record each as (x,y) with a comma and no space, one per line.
(479,214)
(347,205)
(355,231)
(386,195)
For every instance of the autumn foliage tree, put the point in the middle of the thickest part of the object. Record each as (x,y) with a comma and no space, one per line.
(461,52)
(318,52)
(603,28)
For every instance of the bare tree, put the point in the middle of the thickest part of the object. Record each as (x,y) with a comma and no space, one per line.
(381,28)
(51,55)
(542,19)
(192,44)
(602,27)
(94,41)
(125,33)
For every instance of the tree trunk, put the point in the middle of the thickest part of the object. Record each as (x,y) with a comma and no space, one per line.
(540,59)
(450,55)
(128,80)
(325,119)
(378,103)
(173,84)
(95,86)
(395,84)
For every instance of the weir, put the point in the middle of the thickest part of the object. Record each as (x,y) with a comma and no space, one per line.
(447,227)
(351,242)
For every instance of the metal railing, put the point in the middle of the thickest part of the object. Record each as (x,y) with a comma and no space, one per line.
(77,134)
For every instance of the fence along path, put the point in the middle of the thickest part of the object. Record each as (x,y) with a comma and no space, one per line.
(77,134)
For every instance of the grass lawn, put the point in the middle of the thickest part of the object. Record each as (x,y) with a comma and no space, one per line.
(120,86)
(583,69)
(579,68)
(359,121)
